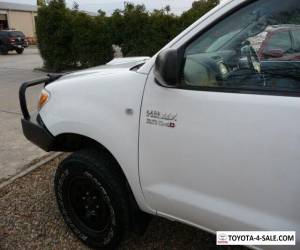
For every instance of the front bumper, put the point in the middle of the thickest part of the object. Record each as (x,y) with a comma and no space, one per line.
(16,46)
(32,124)
(35,131)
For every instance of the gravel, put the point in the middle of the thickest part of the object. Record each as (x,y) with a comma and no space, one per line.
(30,219)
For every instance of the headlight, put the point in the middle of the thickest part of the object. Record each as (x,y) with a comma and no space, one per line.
(44,98)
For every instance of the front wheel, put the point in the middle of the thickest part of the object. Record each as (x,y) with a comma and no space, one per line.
(20,51)
(93,200)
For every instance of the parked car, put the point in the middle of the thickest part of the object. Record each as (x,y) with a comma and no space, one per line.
(201,133)
(278,49)
(278,42)
(12,40)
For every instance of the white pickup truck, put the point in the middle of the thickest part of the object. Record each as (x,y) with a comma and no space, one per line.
(204,132)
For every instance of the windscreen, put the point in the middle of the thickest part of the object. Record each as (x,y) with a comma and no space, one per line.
(16,34)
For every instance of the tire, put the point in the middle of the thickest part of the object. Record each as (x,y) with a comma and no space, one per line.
(4,51)
(19,51)
(93,199)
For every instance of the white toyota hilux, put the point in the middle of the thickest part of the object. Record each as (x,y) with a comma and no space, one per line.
(205,132)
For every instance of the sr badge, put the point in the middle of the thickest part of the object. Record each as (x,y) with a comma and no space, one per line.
(162,119)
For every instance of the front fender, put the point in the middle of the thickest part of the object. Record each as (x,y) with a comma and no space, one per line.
(96,106)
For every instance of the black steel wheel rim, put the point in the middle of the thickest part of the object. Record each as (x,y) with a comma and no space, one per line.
(89,204)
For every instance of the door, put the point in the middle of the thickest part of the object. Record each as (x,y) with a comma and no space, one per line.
(222,150)
(296,44)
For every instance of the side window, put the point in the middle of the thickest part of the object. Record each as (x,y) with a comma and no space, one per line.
(280,41)
(233,58)
(296,36)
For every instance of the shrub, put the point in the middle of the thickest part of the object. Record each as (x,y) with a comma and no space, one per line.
(92,40)
(72,39)
(54,32)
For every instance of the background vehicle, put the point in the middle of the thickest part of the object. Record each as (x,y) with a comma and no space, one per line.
(12,40)
(278,42)
(202,133)
(278,49)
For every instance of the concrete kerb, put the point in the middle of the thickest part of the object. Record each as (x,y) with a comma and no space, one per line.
(30,169)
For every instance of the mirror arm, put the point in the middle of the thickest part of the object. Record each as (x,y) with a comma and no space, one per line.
(163,84)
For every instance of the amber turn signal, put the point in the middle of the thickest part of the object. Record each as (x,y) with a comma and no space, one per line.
(44,97)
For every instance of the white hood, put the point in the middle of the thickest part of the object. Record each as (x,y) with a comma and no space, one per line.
(117,64)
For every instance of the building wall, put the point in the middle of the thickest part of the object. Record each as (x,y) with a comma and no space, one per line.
(22,21)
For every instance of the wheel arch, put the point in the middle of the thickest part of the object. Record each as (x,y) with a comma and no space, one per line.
(71,142)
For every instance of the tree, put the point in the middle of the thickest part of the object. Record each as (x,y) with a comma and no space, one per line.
(199,8)
(54,32)
(41,3)
(72,39)
(167,9)
(101,13)
(75,6)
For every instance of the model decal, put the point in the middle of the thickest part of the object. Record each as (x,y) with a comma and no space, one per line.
(162,119)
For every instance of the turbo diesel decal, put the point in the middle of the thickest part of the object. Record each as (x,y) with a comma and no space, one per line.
(162,119)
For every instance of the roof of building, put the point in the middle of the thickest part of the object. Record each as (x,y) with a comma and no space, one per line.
(33,8)
(17,6)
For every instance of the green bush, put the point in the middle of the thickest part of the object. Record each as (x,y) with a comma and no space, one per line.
(54,32)
(72,39)
(92,40)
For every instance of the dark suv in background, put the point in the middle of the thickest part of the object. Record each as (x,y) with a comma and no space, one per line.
(12,40)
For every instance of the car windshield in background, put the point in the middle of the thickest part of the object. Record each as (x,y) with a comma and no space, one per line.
(16,34)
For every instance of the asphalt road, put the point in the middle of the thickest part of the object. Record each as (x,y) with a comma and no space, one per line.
(15,151)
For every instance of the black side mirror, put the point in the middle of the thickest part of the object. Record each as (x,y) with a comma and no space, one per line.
(167,68)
